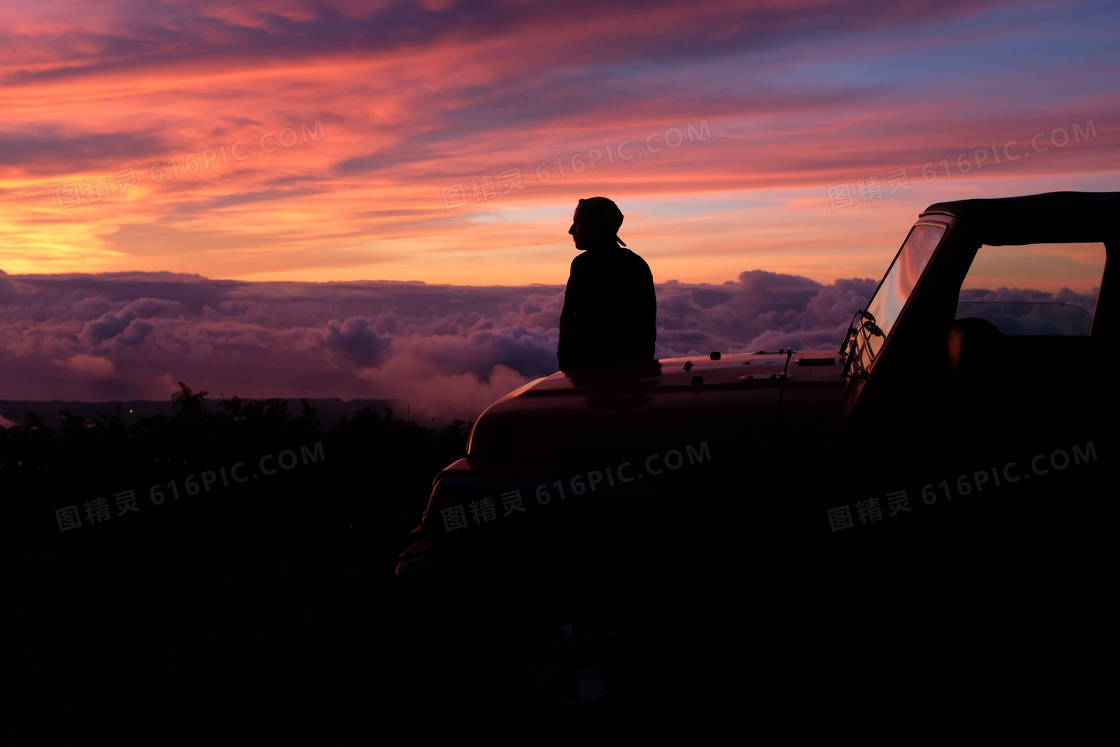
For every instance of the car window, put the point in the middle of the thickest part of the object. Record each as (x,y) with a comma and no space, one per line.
(1037,289)
(902,277)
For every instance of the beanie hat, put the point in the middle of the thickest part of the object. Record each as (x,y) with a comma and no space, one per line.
(606,214)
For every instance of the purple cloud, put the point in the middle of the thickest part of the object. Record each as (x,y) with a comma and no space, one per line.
(440,351)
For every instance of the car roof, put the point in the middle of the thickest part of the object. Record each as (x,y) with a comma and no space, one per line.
(1056,217)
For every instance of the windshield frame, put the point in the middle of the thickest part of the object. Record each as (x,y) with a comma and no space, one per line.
(893,293)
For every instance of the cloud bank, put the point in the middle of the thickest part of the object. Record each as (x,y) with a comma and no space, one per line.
(438,351)
(441,351)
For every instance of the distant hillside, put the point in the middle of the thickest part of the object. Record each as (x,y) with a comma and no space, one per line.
(130,413)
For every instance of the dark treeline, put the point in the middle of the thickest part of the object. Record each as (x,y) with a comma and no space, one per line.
(206,455)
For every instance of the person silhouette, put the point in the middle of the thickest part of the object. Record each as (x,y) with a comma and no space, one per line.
(610,307)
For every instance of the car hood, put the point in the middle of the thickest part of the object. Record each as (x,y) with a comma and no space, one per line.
(589,418)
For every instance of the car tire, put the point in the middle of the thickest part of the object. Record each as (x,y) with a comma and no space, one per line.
(574,651)
(590,640)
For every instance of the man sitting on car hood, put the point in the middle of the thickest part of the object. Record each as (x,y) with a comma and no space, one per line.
(610,309)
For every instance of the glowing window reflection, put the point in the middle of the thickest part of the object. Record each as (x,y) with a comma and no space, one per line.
(1035,289)
(901,278)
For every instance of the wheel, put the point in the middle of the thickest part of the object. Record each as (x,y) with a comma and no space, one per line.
(574,651)
(592,620)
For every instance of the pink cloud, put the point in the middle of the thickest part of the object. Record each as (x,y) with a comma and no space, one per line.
(94,365)
(441,351)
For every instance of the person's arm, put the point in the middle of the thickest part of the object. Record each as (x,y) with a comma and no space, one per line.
(573,317)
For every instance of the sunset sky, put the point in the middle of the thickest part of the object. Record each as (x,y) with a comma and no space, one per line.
(339,140)
(762,147)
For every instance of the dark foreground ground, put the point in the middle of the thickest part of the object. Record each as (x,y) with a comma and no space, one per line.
(271,618)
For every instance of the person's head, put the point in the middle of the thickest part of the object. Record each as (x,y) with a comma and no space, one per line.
(595,223)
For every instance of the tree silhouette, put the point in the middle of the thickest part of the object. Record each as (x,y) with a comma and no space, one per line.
(78,460)
(188,404)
